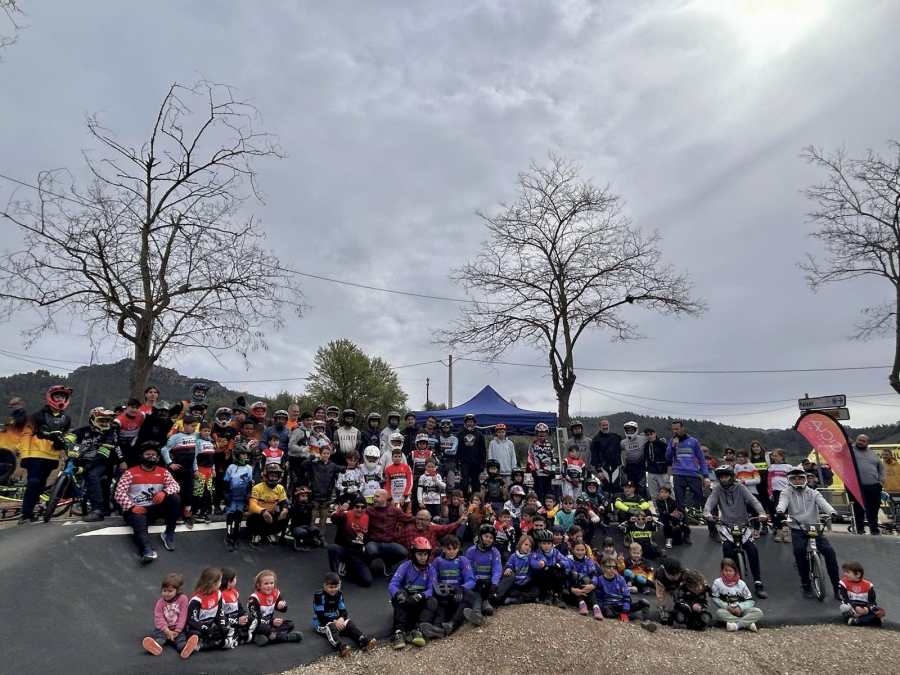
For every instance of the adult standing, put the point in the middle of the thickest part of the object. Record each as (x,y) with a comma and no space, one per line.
(151,396)
(410,431)
(293,416)
(633,460)
(155,427)
(657,464)
(606,450)
(870,470)
(472,455)
(689,469)
(11,437)
(41,443)
(579,441)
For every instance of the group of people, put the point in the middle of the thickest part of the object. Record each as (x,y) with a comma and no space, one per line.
(403,500)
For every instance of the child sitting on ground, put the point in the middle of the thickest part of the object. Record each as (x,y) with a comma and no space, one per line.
(638,572)
(235,615)
(549,569)
(640,528)
(615,600)
(306,535)
(516,585)
(331,618)
(609,552)
(265,627)
(734,603)
(507,535)
(858,605)
(430,490)
(582,583)
(667,580)
(169,617)
(206,625)
(565,516)
(690,602)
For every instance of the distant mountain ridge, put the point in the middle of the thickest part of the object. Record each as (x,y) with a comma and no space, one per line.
(107,384)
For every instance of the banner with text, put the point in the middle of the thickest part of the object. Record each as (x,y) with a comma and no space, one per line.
(830,439)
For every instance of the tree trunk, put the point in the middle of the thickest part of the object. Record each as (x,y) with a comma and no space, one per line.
(563,394)
(140,371)
(894,378)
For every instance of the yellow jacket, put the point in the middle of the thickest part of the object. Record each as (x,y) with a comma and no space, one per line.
(891,476)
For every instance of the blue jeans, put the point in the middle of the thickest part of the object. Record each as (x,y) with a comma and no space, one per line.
(390,553)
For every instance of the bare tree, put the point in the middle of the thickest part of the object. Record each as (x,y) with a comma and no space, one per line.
(560,260)
(857,215)
(156,251)
(10,15)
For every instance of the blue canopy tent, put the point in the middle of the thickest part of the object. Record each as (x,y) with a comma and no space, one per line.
(489,409)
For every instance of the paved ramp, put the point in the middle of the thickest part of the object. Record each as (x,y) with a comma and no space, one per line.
(80,604)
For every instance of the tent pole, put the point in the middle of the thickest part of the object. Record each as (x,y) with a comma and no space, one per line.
(450,381)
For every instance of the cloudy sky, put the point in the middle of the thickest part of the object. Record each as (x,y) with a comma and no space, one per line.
(400,120)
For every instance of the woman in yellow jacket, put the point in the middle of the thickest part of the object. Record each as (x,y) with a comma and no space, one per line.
(10,437)
(41,443)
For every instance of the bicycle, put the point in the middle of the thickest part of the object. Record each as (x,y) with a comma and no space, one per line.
(818,575)
(738,534)
(68,480)
(11,503)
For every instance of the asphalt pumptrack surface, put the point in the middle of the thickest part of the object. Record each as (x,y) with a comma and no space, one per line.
(76,600)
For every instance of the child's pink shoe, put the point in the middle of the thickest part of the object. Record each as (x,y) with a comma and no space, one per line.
(152,646)
(582,608)
(192,643)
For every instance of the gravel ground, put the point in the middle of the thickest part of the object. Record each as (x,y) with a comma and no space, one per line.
(530,639)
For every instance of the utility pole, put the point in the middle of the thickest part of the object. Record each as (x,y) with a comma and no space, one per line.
(84,393)
(427,391)
(450,381)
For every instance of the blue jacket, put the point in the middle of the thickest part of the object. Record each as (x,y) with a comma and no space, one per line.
(485,564)
(520,565)
(585,567)
(238,482)
(551,559)
(283,434)
(411,578)
(456,572)
(613,592)
(687,459)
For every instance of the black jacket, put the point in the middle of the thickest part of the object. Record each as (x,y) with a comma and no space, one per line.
(655,456)
(472,450)
(606,450)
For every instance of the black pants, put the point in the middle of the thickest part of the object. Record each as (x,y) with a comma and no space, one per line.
(798,542)
(867,511)
(507,588)
(357,565)
(637,610)
(637,472)
(331,633)
(307,535)
(684,483)
(469,479)
(257,525)
(407,615)
(39,471)
(211,638)
(729,550)
(94,473)
(675,529)
(693,620)
(168,509)
(185,479)
(549,580)
(449,609)
(543,485)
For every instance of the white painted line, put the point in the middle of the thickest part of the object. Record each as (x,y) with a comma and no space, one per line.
(153,529)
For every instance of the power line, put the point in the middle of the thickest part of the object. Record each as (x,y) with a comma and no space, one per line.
(306,377)
(43,358)
(683,372)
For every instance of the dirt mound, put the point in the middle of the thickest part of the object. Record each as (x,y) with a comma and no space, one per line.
(531,639)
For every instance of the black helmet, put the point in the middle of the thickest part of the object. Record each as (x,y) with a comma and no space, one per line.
(348,412)
(543,535)
(273,468)
(446,422)
(724,470)
(332,411)
(518,470)
(487,529)
(469,416)
(199,392)
(373,417)
(492,464)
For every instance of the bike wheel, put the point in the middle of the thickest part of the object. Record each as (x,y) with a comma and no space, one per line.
(7,465)
(816,576)
(57,492)
(743,564)
(10,511)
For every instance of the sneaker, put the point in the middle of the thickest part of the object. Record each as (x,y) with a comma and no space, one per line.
(389,571)
(367,643)
(230,643)
(753,628)
(255,541)
(597,613)
(487,608)
(152,646)
(189,522)
(731,626)
(417,638)
(852,621)
(293,636)
(342,569)
(148,556)
(431,631)
(448,628)
(192,644)
(201,518)
(582,608)
(560,602)
(647,590)
(93,517)
(344,650)
(230,544)
(473,617)
(669,543)
(261,639)
(649,626)
(760,590)
(168,540)
(398,642)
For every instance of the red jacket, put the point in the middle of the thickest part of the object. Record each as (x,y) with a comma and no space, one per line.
(433,534)
(384,523)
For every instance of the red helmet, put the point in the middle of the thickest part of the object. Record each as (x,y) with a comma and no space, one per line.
(58,406)
(500,426)
(421,544)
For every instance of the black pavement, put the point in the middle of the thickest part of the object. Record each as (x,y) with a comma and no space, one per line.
(82,603)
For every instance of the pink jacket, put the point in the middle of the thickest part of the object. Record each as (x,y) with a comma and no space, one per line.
(171,615)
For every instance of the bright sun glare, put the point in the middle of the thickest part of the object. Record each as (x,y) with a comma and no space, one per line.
(768,28)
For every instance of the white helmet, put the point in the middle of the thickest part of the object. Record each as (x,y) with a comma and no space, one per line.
(540,426)
(371,454)
(396,438)
(630,425)
(421,437)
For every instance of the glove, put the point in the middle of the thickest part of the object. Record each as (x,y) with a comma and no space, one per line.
(140,510)
(458,595)
(401,597)
(159,497)
(416,598)
(623,617)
